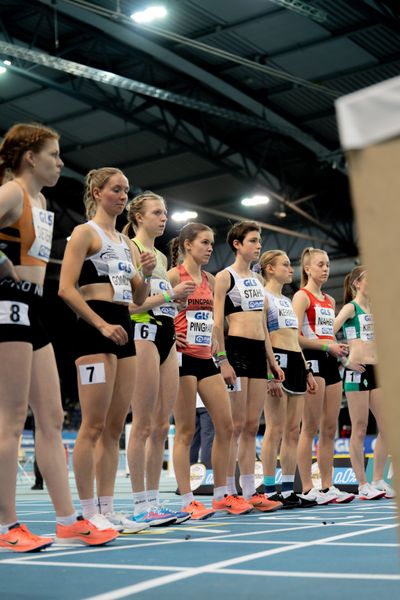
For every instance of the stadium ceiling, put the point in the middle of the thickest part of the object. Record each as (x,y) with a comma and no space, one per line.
(223,99)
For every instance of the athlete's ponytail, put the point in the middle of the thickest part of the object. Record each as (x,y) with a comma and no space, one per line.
(349,285)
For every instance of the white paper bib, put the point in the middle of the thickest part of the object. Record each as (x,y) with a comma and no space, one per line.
(43,223)
(199,327)
(324,320)
(120,273)
(158,286)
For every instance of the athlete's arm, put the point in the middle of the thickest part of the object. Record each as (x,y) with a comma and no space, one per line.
(222,283)
(347,312)
(11,203)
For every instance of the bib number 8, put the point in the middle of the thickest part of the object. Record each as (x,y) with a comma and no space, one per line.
(13,313)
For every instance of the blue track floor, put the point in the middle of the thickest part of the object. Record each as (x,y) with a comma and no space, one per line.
(330,552)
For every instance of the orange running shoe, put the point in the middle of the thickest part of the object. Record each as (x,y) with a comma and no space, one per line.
(84,532)
(262,503)
(19,539)
(198,511)
(233,504)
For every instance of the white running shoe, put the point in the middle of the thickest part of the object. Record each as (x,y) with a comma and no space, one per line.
(385,487)
(340,497)
(318,496)
(129,525)
(101,522)
(369,492)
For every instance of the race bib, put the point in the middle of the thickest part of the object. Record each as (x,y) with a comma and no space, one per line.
(324,320)
(236,387)
(145,332)
(314,365)
(158,286)
(251,293)
(366,327)
(179,359)
(120,273)
(281,359)
(350,333)
(94,373)
(43,223)
(13,313)
(199,327)
(353,377)
(286,316)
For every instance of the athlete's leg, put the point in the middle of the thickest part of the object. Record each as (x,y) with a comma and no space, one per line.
(95,400)
(358,403)
(311,418)
(290,437)
(169,383)
(15,376)
(329,422)
(214,394)
(185,418)
(275,417)
(238,409)
(107,447)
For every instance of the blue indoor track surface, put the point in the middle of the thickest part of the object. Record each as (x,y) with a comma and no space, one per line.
(336,551)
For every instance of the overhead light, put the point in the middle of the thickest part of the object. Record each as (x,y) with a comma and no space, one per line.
(255,200)
(149,14)
(7,63)
(186,215)
(2,70)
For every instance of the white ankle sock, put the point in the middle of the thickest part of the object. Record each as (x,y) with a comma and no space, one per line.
(219,492)
(153,497)
(70,520)
(248,484)
(231,486)
(89,508)
(187,499)
(140,503)
(106,504)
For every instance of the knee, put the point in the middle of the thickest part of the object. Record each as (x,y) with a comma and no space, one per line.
(358,430)
(92,431)
(251,428)
(328,431)
(291,435)
(53,424)
(184,436)
(224,431)
(159,432)
(237,428)
(274,433)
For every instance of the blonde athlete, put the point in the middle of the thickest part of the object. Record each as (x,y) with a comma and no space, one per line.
(98,281)
(239,298)
(156,389)
(360,385)
(284,401)
(28,372)
(315,312)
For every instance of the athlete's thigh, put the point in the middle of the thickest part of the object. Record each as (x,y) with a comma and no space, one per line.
(96,379)
(256,390)
(238,401)
(313,404)
(123,390)
(147,379)
(332,402)
(185,406)
(45,393)
(15,378)
(358,405)
(168,388)
(214,394)
(275,409)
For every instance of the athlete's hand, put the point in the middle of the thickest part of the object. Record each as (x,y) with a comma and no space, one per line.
(116,333)
(275,388)
(183,290)
(7,268)
(312,385)
(228,372)
(338,350)
(277,371)
(148,263)
(354,366)
(180,341)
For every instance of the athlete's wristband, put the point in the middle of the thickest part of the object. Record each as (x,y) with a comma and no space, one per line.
(167,297)
(221,353)
(325,347)
(3,257)
(270,376)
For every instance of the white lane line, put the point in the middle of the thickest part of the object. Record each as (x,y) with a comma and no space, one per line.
(166,579)
(316,575)
(47,563)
